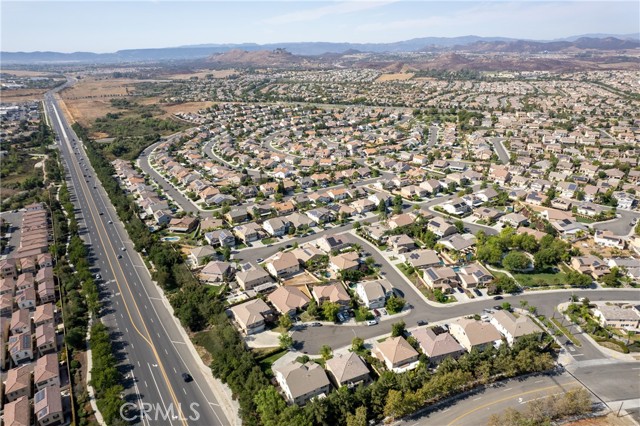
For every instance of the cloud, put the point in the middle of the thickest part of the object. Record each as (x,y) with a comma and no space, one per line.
(341,8)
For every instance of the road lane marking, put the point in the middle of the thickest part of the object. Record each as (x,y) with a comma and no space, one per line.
(185,392)
(506,399)
(475,399)
(84,187)
(507,389)
(538,381)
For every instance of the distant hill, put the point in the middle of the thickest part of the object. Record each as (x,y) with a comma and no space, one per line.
(437,44)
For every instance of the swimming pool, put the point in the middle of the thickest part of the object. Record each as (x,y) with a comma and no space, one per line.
(171,239)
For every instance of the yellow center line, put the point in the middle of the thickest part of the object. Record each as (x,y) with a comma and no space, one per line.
(508,398)
(148,340)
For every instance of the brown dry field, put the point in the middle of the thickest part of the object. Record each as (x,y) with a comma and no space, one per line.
(91,98)
(28,73)
(22,95)
(394,77)
(203,73)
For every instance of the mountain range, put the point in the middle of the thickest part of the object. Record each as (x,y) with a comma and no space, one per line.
(425,44)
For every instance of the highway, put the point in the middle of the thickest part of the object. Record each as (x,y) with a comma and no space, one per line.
(153,348)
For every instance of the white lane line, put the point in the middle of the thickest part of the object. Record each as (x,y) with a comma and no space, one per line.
(475,399)
(166,352)
(138,363)
(185,392)
(508,389)
(538,381)
(175,371)
(159,393)
(177,343)
(145,384)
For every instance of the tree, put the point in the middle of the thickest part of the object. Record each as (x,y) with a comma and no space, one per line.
(506,306)
(398,329)
(506,284)
(515,261)
(226,253)
(611,279)
(357,344)
(440,296)
(359,418)
(286,341)
(489,253)
(326,352)
(459,226)
(330,310)
(395,304)
(285,322)
(312,309)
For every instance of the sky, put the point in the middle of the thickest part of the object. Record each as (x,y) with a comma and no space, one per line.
(108,26)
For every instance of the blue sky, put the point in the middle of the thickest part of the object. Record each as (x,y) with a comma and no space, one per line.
(107,26)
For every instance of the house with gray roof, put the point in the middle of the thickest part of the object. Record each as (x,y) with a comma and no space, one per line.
(302,382)
(347,369)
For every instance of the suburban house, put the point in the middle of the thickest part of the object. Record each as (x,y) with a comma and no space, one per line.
(248,232)
(609,239)
(236,215)
(20,347)
(275,227)
(46,340)
(511,327)
(372,293)
(333,242)
(251,276)
(590,265)
(302,382)
(474,275)
(401,243)
(283,265)
(46,371)
(347,369)
(251,315)
(184,224)
(443,278)
(216,271)
(456,206)
(18,412)
(617,317)
(513,219)
(397,354)
(474,334)
(220,238)
(334,293)
(441,227)
(421,259)
(287,300)
(48,406)
(199,255)
(437,346)
(18,383)
(344,261)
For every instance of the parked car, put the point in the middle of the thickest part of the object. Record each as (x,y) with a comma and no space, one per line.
(316,324)
(423,322)
(372,322)
(498,298)
(376,312)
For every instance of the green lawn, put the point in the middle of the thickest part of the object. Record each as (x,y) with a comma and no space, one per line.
(584,219)
(268,241)
(266,363)
(541,279)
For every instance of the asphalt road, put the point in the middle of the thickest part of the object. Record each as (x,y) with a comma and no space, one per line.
(186,204)
(433,136)
(153,349)
(620,226)
(311,339)
(477,407)
(503,154)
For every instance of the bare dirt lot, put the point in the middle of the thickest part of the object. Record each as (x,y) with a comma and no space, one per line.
(394,77)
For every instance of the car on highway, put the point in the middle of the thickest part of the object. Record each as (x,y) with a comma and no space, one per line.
(187,377)
(123,248)
(101,213)
(110,222)
(119,256)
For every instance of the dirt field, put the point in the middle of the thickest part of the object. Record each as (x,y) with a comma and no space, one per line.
(28,73)
(394,77)
(173,109)
(23,95)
